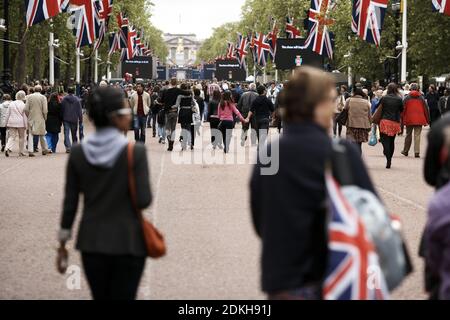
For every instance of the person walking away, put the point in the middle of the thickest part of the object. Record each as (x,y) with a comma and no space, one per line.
(36,110)
(415,116)
(226,110)
(435,241)
(444,102)
(16,124)
(262,108)
(244,106)
(432,98)
(214,120)
(200,101)
(72,116)
(169,100)
(289,208)
(54,122)
(337,127)
(140,104)
(359,118)
(110,236)
(185,105)
(3,113)
(392,106)
(155,108)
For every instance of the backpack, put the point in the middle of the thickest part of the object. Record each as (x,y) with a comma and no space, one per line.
(359,214)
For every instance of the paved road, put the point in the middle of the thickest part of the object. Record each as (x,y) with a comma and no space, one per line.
(204,212)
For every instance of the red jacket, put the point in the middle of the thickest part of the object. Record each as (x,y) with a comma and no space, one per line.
(415,111)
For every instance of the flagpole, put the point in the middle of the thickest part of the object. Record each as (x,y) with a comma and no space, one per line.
(77,66)
(96,66)
(51,56)
(404,41)
(108,69)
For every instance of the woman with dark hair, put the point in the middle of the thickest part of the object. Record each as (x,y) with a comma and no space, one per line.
(392,107)
(54,122)
(225,112)
(186,106)
(289,205)
(110,235)
(156,106)
(213,118)
(359,117)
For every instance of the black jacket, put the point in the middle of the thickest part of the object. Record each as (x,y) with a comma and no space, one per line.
(109,224)
(392,107)
(54,117)
(169,97)
(289,208)
(262,108)
(434,167)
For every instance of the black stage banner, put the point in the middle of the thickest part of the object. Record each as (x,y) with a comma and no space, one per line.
(291,55)
(139,67)
(229,70)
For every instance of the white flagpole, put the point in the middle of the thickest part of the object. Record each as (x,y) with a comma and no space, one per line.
(77,66)
(51,56)
(108,69)
(404,40)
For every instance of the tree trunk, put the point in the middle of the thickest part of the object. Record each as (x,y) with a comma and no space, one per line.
(67,75)
(21,64)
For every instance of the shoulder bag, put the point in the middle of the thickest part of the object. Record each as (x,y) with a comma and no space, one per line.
(154,240)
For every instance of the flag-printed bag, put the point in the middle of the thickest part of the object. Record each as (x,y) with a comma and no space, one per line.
(367,256)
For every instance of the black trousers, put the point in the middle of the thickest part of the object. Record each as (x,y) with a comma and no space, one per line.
(388,145)
(337,127)
(113,277)
(3,136)
(262,131)
(226,128)
(214,124)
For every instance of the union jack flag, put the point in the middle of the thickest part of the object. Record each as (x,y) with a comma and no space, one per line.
(261,48)
(443,6)
(130,50)
(354,271)
(292,32)
(113,42)
(231,51)
(319,37)
(368,18)
(41,10)
(103,13)
(272,38)
(242,49)
(86,21)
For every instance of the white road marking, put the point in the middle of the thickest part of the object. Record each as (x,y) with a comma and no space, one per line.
(407,201)
(13,167)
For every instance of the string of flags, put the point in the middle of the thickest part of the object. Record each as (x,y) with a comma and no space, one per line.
(367,24)
(90,20)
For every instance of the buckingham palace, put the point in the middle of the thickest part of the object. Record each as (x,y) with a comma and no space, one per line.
(182,49)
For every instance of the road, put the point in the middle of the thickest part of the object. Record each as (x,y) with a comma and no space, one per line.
(203,209)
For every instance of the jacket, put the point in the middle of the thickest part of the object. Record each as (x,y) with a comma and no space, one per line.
(226,114)
(71,109)
(415,110)
(358,113)
(36,111)
(3,113)
(289,208)
(262,108)
(392,107)
(246,101)
(109,224)
(146,101)
(54,117)
(16,117)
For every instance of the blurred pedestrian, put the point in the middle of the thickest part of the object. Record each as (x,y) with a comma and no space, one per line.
(226,110)
(110,236)
(140,103)
(359,118)
(432,98)
(16,124)
(72,116)
(262,109)
(54,122)
(3,114)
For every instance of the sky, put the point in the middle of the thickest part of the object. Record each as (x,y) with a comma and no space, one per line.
(194,16)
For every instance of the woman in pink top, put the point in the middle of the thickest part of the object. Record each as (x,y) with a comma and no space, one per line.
(226,110)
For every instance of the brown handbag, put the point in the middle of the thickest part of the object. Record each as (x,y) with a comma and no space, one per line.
(154,240)
(376,118)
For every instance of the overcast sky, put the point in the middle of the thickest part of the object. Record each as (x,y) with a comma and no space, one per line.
(194,16)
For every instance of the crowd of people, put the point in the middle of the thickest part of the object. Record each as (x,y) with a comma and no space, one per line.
(288,208)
